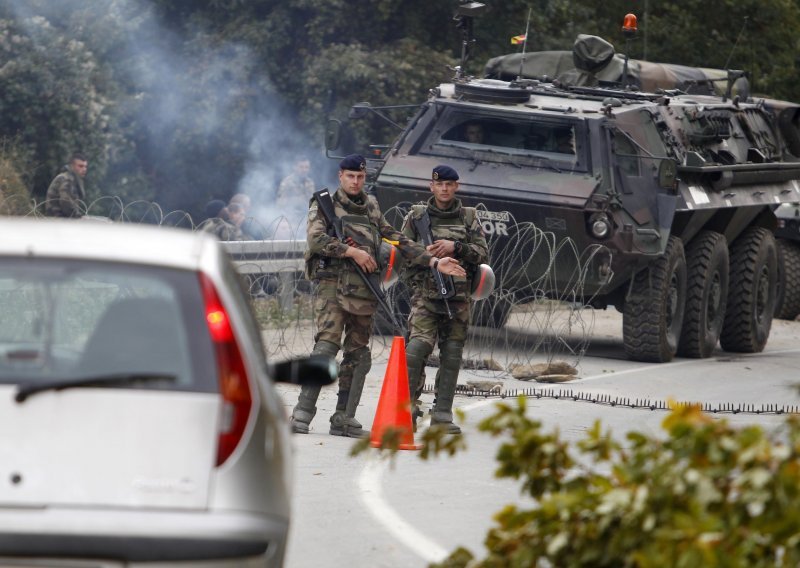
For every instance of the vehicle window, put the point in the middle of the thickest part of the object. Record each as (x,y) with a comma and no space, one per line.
(70,319)
(627,155)
(523,139)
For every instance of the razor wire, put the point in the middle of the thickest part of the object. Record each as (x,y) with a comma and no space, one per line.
(540,286)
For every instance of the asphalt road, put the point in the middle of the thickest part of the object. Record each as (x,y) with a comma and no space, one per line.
(365,511)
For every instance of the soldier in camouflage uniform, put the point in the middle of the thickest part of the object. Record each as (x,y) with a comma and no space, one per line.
(297,185)
(457,233)
(343,303)
(219,221)
(66,195)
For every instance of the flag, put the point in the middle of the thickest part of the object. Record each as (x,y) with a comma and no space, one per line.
(516,40)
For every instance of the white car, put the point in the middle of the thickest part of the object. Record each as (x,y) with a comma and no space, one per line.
(138,418)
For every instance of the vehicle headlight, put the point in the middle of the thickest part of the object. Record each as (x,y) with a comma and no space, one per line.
(600,225)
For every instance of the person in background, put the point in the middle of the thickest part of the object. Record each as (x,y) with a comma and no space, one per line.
(65,195)
(473,133)
(297,186)
(250,228)
(222,222)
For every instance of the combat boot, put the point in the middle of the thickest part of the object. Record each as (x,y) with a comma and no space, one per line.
(344,423)
(417,353)
(450,363)
(306,407)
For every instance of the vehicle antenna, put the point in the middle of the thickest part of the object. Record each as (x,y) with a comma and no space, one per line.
(524,45)
(744,25)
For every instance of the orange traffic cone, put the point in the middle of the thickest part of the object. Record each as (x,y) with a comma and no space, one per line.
(394,405)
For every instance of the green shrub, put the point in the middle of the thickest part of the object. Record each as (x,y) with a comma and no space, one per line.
(708,494)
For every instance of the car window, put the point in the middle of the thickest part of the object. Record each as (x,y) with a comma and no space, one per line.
(76,319)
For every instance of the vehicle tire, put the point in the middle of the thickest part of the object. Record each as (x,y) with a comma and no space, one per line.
(752,291)
(706,294)
(492,312)
(787,302)
(653,313)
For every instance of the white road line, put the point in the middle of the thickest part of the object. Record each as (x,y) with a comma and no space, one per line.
(371,494)
(369,482)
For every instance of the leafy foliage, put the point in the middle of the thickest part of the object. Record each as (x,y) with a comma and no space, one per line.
(708,494)
(176,100)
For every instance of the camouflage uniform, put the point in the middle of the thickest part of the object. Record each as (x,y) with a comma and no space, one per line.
(428,321)
(222,229)
(65,195)
(344,304)
(294,187)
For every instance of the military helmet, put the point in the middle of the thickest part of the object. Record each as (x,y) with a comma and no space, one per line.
(482,282)
(389,263)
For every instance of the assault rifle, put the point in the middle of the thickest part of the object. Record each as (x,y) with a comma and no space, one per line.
(372,280)
(445,286)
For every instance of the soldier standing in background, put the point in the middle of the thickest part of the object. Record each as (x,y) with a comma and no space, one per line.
(297,185)
(457,233)
(65,196)
(342,302)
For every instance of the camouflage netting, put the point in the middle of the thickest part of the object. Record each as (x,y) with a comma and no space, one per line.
(594,62)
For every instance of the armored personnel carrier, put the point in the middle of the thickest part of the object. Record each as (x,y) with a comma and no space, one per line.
(666,197)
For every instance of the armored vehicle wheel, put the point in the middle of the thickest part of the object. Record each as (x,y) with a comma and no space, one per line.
(653,314)
(706,294)
(492,312)
(751,299)
(787,304)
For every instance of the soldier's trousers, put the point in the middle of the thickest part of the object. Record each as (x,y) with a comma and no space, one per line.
(429,325)
(334,318)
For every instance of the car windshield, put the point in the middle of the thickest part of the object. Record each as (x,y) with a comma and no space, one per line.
(68,320)
(525,140)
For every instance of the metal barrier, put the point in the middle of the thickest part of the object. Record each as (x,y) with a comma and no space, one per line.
(281,259)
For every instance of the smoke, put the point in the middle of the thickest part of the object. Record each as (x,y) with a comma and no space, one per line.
(197,117)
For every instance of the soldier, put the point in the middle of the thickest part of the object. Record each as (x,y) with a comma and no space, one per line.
(297,185)
(220,222)
(65,195)
(342,302)
(457,233)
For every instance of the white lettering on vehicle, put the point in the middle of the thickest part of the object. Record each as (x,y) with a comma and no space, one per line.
(494,223)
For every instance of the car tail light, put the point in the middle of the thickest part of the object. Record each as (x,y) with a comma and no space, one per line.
(234,384)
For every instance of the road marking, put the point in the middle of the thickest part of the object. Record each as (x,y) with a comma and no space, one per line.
(371,476)
(371,494)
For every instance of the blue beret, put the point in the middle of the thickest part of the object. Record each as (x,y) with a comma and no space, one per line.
(444,173)
(353,162)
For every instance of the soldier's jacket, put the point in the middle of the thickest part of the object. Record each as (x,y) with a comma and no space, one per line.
(222,229)
(294,187)
(65,195)
(458,223)
(363,221)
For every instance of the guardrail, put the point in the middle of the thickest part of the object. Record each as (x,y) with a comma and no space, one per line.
(266,257)
(269,264)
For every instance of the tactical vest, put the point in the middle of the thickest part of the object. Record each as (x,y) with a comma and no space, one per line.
(455,228)
(364,231)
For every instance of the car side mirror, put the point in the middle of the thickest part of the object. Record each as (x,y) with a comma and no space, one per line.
(313,371)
